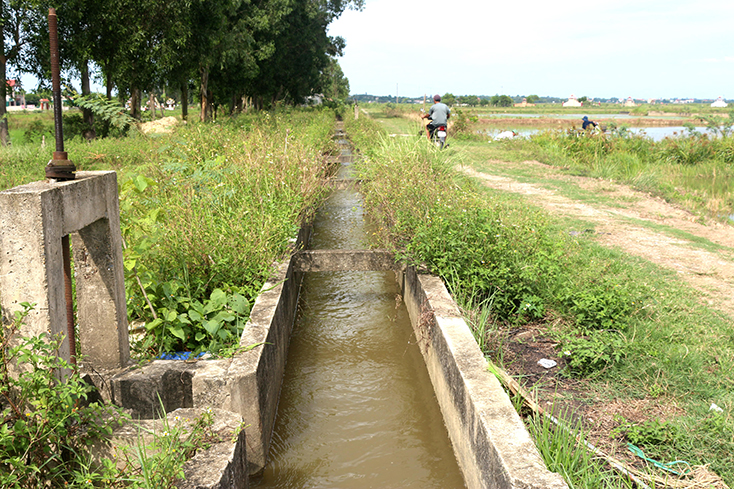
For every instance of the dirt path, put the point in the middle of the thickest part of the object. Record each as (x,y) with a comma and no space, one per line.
(641,225)
(711,272)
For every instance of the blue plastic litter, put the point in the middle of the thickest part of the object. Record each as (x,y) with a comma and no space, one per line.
(179,355)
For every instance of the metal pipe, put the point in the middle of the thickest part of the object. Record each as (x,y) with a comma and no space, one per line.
(53,34)
(66,251)
(59,167)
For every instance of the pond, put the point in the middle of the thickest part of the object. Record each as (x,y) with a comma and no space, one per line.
(654,133)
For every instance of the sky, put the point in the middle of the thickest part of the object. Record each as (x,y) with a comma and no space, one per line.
(645,49)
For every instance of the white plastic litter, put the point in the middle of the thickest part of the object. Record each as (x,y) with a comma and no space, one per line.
(716,408)
(547,363)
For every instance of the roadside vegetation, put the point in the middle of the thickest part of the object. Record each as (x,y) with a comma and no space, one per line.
(51,425)
(205,211)
(625,330)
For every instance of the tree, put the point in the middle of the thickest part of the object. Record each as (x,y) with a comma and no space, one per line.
(17,18)
(503,101)
(334,85)
(302,52)
(468,100)
(533,99)
(448,99)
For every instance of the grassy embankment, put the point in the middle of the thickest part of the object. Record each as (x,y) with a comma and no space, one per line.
(205,211)
(627,330)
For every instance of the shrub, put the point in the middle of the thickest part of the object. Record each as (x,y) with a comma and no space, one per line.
(589,354)
(47,424)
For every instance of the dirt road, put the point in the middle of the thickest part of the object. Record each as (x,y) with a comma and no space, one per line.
(641,225)
(702,254)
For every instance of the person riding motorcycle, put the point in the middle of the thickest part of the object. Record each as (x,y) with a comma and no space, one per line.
(439,114)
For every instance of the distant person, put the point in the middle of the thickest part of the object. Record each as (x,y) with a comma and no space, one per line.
(439,114)
(587,123)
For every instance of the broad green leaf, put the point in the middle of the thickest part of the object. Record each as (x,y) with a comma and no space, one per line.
(195,315)
(212,326)
(178,332)
(239,304)
(153,324)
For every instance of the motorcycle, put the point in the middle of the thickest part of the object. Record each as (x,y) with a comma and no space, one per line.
(438,136)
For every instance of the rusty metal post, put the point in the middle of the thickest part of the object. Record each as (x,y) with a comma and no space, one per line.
(59,168)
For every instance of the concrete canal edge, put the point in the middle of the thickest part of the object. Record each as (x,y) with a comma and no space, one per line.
(491,443)
(492,446)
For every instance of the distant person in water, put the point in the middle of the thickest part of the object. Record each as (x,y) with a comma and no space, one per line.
(587,123)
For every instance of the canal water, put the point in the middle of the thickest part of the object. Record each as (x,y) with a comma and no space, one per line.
(357,409)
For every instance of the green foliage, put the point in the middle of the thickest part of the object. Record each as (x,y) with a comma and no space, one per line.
(720,125)
(186,324)
(158,464)
(501,100)
(36,131)
(462,123)
(655,436)
(448,99)
(109,111)
(490,248)
(602,304)
(206,221)
(562,453)
(47,424)
(592,352)
(691,169)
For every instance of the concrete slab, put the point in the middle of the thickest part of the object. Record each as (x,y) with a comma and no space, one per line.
(344,261)
(222,466)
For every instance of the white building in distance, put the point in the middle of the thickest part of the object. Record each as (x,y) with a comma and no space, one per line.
(571,102)
(719,103)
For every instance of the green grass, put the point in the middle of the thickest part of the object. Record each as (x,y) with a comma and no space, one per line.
(205,211)
(632,330)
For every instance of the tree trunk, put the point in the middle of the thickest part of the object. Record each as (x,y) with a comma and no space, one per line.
(109,85)
(204,93)
(89,132)
(135,103)
(210,113)
(3,86)
(151,105)
(185,101)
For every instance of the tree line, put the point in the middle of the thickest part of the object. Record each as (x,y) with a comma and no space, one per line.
(226,51)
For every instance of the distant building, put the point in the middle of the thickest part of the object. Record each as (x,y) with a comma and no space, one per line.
(630,102)
(719,103)
(13,95)
(524,103)
(571,102)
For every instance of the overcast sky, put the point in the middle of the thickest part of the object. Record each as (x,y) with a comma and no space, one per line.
(596,48)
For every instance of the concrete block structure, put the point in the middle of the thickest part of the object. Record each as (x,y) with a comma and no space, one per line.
(33,220)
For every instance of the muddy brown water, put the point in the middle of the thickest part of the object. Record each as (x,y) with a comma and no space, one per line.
(357,409)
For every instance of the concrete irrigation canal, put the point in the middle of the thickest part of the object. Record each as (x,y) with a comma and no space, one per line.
(355,371)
